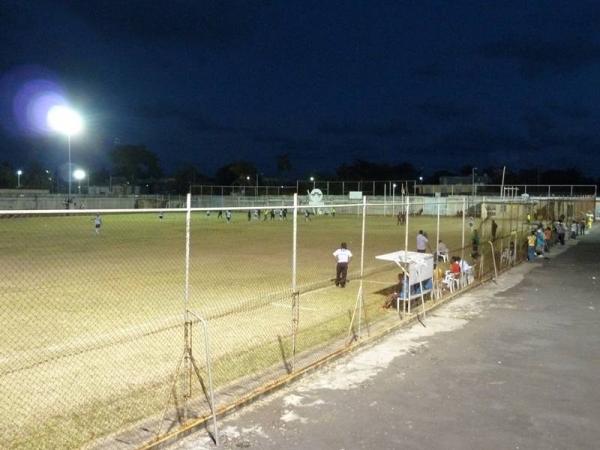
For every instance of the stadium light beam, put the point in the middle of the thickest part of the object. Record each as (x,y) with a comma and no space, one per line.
(19,173)
(67,121)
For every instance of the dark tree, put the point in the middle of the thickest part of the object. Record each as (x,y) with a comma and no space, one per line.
(284,165)
(134,163)
(8,177)
(186,176)
(236,172)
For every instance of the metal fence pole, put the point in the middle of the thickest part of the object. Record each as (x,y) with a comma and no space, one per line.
(437,234)
(295,294)
(362,264)
(462,250)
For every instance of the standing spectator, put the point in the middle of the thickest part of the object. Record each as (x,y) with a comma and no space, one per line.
(547,239)
(540,240)
(97,223)
(531,246)
(475,244)
(422,242)
(494,229)
(342,255)
(560,231)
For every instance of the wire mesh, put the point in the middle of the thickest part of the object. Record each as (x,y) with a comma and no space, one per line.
(93,335)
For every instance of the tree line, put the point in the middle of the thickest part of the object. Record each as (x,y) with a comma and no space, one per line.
(137,165)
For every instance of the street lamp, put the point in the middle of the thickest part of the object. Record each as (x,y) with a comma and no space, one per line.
(65,120)
(473,181)
(79,174)
(19,173)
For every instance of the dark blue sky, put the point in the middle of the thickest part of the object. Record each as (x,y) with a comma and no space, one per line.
(437,83)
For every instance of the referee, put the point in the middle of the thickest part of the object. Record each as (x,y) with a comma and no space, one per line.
(342,256)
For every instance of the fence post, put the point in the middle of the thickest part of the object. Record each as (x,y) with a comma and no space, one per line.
(437,235)
(362,264)
(384,200)
(295,295)
(186,319)
(462,250)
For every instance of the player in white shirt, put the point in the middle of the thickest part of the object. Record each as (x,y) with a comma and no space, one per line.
(97,223)
(342,256)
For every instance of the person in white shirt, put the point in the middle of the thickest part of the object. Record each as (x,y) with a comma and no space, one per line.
(422,242)
(342,255)
(97,223)
(442,251)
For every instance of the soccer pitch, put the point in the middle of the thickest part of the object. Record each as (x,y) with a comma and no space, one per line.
(91,324)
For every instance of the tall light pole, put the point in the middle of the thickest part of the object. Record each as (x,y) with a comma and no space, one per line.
(313,181)
(19,173)
(473,181)
(393,199)
(65,121)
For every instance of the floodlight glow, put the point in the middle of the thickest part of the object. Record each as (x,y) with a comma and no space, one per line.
(64,120)
(79,174)
(312,178)
(19,172)
(394,185)
(420,178)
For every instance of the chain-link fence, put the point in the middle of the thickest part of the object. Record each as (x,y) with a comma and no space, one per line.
(123,326)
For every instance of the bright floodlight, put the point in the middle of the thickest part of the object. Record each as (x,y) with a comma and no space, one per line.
(64,120)
(312,178)
(79,174)
(19,172)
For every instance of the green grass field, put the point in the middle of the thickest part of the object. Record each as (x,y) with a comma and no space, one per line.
(91,325)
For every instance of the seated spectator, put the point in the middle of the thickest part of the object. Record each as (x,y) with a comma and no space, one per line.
(455,267)
(442,250)
(391,299)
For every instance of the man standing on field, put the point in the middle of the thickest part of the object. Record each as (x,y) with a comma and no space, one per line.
(342,255)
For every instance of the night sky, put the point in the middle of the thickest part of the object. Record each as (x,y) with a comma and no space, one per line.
(440,84)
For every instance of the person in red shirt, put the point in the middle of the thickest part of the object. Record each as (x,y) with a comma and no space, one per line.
(455,267)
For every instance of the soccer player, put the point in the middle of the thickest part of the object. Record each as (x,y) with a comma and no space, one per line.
(228,216)
(306,215)
(272,214)
(97,223)
(332,212)
(249,215)
(343,256)
(161,215)
(220,214)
